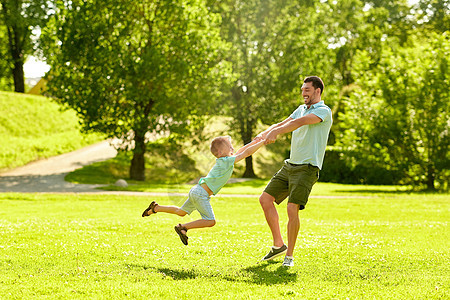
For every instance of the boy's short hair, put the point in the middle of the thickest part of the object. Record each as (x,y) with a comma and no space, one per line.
(217,143)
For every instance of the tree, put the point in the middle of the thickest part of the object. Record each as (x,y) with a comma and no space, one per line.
(247,25)
(404,124)
(273,47)
(130,68)
(19,18)
(6,82)
(362,25)
(433,15)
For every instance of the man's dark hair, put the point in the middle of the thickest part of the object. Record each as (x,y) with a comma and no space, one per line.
(316,82)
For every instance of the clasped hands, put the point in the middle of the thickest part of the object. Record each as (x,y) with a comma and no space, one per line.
(268,138)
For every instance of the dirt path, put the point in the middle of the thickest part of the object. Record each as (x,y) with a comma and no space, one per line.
(47,176)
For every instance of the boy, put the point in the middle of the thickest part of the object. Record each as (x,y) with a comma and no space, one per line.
(200,195)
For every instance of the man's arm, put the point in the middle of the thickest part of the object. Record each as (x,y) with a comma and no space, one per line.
(249,150)
(290,126)
(263,134)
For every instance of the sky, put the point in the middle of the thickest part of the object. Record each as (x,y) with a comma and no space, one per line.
(34,68)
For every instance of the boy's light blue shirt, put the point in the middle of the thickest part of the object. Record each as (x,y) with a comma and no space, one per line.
(309,141)
(219,173)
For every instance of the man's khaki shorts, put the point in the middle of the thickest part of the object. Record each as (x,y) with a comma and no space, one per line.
(294,181)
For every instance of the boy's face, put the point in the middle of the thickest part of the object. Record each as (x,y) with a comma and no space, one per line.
(227,149)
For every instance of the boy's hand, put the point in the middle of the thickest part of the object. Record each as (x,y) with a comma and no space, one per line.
(271,137)
(258,138)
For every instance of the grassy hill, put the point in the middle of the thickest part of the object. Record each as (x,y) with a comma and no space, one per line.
(34,127)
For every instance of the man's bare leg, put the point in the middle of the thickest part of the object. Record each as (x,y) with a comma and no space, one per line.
(293,227)
(272,218)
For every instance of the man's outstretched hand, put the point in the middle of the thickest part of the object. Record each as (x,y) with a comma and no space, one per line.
(259,137)
(271,137)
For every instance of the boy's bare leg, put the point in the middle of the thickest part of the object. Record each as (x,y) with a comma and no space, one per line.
(201,223)
(293,227)
(175,210)
(272,218)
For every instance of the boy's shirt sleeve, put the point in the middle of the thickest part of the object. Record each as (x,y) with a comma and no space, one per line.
(228,161)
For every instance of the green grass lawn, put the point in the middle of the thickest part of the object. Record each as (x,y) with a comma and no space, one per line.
(387,246)
(34,127)
(256,186)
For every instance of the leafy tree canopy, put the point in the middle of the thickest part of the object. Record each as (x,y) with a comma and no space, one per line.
(18,18)
(398,117)
(129,68)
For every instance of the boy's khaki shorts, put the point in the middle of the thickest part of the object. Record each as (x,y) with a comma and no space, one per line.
(199,200)
(294,181)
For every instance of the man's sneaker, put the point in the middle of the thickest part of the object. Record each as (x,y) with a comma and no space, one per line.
(288,262)
(275,253)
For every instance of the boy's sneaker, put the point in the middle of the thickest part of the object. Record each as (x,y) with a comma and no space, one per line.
(288,262)
(275,253)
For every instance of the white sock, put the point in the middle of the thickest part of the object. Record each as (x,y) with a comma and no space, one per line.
(290,257)
(276,248)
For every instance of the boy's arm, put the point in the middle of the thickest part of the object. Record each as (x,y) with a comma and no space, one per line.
(245,147)
(249,150)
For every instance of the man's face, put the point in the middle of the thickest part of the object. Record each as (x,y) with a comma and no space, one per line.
(310,94)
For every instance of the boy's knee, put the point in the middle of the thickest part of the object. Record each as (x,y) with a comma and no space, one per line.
(211,223)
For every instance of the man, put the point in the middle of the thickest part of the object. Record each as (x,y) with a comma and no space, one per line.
(310,124)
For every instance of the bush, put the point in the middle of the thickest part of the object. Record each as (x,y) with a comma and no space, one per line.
(338,168)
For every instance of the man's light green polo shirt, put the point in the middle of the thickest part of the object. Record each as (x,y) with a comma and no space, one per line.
(309,141)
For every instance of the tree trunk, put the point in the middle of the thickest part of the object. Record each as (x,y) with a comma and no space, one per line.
(249,172)
(17,34)
(247,134)
(137,168)
(19,78)
(246,129)
(430,178)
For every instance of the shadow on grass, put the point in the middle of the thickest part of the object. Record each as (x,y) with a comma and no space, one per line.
(258,274)
(178,274)
(174,273)
(262,275)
